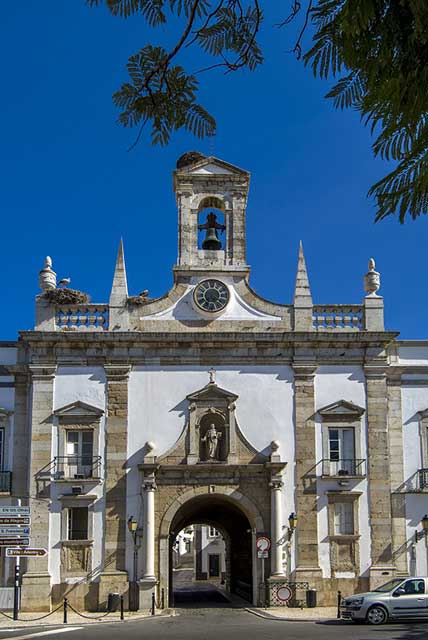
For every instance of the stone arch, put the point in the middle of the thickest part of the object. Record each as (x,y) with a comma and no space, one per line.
(227,494)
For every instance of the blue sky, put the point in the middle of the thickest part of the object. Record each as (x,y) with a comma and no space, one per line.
(70,189)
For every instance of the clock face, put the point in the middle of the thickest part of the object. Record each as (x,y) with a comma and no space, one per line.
(211,295)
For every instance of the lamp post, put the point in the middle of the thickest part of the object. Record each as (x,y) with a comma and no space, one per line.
(134,591)
(292,524)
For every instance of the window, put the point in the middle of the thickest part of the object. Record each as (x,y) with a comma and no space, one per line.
(77,523)
(213,533)
(343,518)
(1,449)
(341,451)
(79,452)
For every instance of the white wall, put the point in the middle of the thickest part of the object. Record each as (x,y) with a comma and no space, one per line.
(8,355)
(334,383)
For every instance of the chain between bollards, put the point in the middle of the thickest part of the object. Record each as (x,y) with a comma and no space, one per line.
(65,610)
(339,602)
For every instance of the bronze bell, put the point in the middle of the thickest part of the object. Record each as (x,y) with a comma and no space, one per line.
(212,241)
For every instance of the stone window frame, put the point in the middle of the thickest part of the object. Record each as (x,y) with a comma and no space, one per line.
(342,415)
(5,423)
(79,416)
(423,436)
(334,497)
(68,502)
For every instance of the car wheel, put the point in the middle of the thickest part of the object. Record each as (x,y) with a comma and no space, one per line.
(377,615)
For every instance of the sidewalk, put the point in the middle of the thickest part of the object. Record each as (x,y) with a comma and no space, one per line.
(288,613)
(73,619)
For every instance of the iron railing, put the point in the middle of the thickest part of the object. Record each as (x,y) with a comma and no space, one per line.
(5,481)
(343,467)
(422,479)
(76,467)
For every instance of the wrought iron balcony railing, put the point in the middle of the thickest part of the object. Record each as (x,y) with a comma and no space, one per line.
(344,467)
(77,467)
(5,481)
(422,479)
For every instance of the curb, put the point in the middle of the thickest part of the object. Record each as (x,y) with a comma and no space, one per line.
(61,625)
(268,616)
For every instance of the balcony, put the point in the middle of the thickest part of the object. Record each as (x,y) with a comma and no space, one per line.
(344,468)
(76,468)
(422,480)
(5,481)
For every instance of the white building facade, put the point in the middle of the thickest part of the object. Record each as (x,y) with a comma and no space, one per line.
(211,405)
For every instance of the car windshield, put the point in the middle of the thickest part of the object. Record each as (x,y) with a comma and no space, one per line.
(389,586)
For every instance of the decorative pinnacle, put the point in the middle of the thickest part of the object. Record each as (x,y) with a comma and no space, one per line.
(372,280)
(211,374)
(119,290)
(47,277)
(302,291)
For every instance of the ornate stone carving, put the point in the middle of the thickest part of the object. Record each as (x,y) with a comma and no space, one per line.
(76,557)
(47,277)
(372,280)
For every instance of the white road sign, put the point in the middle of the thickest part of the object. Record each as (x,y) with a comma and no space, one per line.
(284,593)
(14,511)
(263,554)
(11,532)
(25,553)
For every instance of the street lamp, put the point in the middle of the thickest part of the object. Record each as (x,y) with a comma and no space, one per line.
(134,591)
(292,524)
(424,532)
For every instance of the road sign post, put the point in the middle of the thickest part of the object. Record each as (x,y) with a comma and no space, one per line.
(263,546)
(20,552)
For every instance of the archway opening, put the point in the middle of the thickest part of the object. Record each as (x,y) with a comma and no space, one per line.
(219,555)
(211,227)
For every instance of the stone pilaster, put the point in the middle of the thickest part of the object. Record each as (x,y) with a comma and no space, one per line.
(379,474)
(398,506)
(36,581)
(306,484)
(114,576)
(21,442)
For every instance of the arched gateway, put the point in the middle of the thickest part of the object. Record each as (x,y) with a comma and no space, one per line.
(213,476)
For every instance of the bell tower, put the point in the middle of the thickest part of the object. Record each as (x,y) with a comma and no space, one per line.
(211,200)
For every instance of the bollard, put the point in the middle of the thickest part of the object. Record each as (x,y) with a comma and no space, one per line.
(339,602)
(65,611)
(163,598)
(153,605)
(16,593)
(121,608)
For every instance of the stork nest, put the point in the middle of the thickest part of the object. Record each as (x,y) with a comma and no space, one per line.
(66,296)
(137,300)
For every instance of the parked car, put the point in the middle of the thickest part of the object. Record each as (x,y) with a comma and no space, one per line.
(399,598)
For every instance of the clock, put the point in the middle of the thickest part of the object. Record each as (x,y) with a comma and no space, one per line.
(211,296)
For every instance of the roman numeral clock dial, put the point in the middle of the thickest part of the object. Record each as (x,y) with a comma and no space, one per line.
(211,296)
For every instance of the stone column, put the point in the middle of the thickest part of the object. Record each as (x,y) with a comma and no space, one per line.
(398,498)
(307,568)
(114,577)
(276,528)
(36,581)
(379,475)
(148,581)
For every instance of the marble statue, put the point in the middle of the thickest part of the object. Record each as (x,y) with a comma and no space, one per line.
(212,441)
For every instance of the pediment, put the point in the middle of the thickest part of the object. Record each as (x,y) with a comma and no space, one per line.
(78,409)
(211,392)
(342,408)
(213,166)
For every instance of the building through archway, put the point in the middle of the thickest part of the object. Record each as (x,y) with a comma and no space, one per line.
(227,517)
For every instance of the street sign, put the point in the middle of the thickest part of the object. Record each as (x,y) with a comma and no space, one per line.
(14,542)
(263,543)
(21,520)
(9,532)
(284,593)
(26,553)
(263,554)
(14,511)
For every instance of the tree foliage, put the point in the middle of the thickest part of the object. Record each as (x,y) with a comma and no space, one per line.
(376,50)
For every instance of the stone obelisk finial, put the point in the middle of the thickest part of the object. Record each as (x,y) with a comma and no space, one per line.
(47,277)
(118,311)
(302,296)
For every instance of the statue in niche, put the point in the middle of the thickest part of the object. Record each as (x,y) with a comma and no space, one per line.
(212,442)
